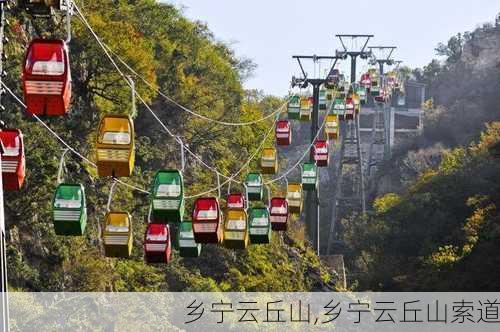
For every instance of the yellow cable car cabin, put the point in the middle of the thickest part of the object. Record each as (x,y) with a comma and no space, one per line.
(236,229)
(332,126)
(294,197)
(306,105)
(115,146)
(117,234)
(269,161)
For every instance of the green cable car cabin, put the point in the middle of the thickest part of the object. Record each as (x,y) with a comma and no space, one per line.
(259,226)
(69,210)
(117,235)
(294,108)
(168,197)
(186,243)
(236,229)
(361,92)
(309,174)
(254,186)
(322,99)
(338,107)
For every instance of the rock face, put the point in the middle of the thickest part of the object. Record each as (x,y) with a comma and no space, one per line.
(481,52)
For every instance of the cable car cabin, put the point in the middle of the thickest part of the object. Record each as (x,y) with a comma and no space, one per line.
(40,7)
(69,210)
(349,109)
(278,214)
(283,132)
(306,105)
(269,161)
(332,127)
(319,152)
(185,237)
(259,226)
(381,97)
(236,229)
(236,201)
(339,108)
(254,186)
(309,175)
(361,92)
(294,108)
(207,220)
(375,91)
(366,81)
(118,235)
(13,160)
(157,244)
(115,146)
(168,197)
(333,79)
(294,197)
(322,99)
(47,78)
(357,103)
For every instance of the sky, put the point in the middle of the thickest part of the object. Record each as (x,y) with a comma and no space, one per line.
(270,31)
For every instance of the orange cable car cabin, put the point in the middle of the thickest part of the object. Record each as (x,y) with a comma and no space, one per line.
(13,160)
(236,234)
(269,161)
(278,214)
(117,235)
(115,146)
(207,220)
(47,78)
(283,132)
(157,243)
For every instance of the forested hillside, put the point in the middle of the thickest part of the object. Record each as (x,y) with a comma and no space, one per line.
(185,61)
(435,225)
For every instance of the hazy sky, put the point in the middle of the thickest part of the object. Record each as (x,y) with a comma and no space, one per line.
(271,31)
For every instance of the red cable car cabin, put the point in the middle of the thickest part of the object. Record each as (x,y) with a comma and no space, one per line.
(319,152)
(47,78)
(236,201)
(366,81)
(283,133)
(381,98)
(157,246)
(207,220)
(349,109)
(278,214)
(13,162)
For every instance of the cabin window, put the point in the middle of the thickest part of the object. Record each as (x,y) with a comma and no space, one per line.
(186,235)
(262,221)
(157,237)
(46,60)
(238,225)
(68,203)
(207,214)
(168,190)
(112,137)
(12,150)
(309,173)
(117,228)
(279,209)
